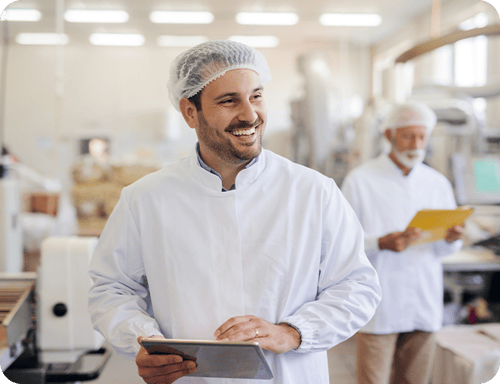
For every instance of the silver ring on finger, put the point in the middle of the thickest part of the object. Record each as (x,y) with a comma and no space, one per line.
(256,332)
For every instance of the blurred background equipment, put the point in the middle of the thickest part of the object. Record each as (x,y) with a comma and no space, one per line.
(45,332)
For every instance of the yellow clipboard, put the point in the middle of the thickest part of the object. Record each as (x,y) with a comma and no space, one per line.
(435,222)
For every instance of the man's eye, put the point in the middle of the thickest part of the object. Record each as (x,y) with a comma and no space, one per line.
(227,101)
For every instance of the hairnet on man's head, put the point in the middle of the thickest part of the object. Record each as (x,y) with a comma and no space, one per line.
(410,114)
(193,69)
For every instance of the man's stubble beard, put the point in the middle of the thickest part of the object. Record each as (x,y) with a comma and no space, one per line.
(222,146)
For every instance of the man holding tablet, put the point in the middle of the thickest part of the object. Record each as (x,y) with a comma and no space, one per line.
(233,242)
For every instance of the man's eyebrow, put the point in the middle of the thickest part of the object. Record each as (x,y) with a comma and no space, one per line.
(234,94)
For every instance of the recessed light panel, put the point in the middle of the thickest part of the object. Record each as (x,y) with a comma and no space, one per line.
(95,16)
(174,17)
(42,39)
(21,15)
(350,19)
(117,39)
(267,18)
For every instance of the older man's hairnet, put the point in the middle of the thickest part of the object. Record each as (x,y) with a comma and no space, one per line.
(193,69)
(408,114)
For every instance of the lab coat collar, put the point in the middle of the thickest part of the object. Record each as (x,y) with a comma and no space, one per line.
(213,182)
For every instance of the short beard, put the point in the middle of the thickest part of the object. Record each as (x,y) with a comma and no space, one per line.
(419,155)
(222,146)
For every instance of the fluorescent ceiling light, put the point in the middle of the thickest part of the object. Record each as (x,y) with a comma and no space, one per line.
(95,16)
(42,39)
(117,39)
(257,41)
(21,15)
(267,18)
(350,19)
(180,41)
(173,17)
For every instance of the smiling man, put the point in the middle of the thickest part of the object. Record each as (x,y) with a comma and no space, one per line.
(232,242)
(385,193)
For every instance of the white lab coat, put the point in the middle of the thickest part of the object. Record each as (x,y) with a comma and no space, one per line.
(385,201)
(178,257)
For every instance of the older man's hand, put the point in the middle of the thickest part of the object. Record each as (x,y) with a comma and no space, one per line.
(455,233)
(399,241)
(161,369)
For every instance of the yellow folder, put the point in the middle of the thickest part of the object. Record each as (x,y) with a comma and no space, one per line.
(435,222)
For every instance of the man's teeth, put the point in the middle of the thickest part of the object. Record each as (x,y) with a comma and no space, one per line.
(244,132)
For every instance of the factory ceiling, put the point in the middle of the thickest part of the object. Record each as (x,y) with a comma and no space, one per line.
(394,14)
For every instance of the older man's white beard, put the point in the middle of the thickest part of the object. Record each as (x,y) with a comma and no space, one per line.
(418,156)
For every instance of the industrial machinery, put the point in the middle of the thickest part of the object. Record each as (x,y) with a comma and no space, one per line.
(45,333)
(318,130)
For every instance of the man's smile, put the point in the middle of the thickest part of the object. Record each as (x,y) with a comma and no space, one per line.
(244,132)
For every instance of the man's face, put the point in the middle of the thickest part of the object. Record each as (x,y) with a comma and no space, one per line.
(232,118)
(408,144)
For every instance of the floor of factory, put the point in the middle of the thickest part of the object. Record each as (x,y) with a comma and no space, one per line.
(341,365)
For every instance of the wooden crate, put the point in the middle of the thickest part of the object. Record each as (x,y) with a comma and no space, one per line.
(15,310)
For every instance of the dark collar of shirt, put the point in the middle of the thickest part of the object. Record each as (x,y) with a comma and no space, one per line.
(207,168)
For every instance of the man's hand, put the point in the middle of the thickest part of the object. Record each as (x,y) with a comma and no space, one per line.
(399,241)
(455,233)
(278,338)
(161,369)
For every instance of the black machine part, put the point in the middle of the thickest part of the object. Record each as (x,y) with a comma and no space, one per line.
(27,369)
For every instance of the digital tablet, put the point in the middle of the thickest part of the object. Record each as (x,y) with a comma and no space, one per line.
(229,359)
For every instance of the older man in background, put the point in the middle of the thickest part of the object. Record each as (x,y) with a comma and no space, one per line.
(386,193)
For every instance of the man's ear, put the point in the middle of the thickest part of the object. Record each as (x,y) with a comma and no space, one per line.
(189,112)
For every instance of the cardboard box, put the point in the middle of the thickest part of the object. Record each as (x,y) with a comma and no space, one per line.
(44,203)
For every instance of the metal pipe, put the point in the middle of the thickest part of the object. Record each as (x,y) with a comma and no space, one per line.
(432,44)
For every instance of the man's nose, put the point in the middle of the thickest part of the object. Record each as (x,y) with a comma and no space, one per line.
(247,112)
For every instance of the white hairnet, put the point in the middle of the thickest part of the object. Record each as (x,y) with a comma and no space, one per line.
(193,69)
(408,114)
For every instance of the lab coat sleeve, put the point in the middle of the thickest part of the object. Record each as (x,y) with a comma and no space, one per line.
(349,192)
(348,286)
(442,248)
(119,301)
